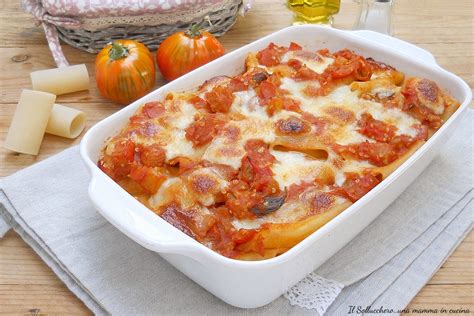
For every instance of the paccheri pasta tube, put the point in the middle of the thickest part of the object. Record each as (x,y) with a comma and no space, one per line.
(66,122)
(61,80)
(29,122)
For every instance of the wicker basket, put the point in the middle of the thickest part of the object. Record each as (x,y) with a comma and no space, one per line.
(150,35)
(92,33)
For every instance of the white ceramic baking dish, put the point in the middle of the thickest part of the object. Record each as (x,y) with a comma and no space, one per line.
(253,284)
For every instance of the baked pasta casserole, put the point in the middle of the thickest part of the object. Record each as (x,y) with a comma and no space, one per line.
(251,165)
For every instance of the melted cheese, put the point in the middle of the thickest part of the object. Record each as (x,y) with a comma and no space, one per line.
(224,151)
(336,119)
(438,108)
(385,92)
(404,122)
(166,192)
(294,167)
(347,99)
(184,117)
(246,103)
(348,134)
(317,66)
(180,117)
(206,182)
(228,151)
(295,88)
(179,146)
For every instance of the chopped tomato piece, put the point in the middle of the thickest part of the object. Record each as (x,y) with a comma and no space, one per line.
(411,99)
(267,90)
(184,164)
(277,104)
(356,186)
(342,71)
(275,80)
(148,178)
(304,73)
(219,99)
(198,102)
(294,46)
(268,57)
(259,152)
(271,55)
(294,190)
(243,236)
(347,64)
(291,104)
(152,155)
(379,154)
(118,158)
(295,63)
(153,109)
(236,85)
(223,237)
(375,129)
(204,128)
(260,160)
(123,151)
(324,52)
(240,199)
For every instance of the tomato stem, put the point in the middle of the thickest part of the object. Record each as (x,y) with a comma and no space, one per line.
(195,29)
(117,51)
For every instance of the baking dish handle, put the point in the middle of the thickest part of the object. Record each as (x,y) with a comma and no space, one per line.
(137,222)
(398,44)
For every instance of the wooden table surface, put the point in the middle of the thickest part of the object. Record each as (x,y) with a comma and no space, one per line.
(27,285)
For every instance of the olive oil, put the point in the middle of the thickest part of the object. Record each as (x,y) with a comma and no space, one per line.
(314,11)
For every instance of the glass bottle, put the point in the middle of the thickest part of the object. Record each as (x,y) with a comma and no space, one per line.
(314,11)
(375,15)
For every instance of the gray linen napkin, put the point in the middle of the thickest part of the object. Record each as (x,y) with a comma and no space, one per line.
(385,265)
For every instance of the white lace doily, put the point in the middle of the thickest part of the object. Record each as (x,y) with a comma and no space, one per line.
(314,292)
(93,24)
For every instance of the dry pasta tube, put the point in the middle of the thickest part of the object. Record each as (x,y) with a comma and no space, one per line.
(29,122)
(66,122)
(61,80)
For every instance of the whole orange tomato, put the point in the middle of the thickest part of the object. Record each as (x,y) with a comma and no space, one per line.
(124,71)
(184,51)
